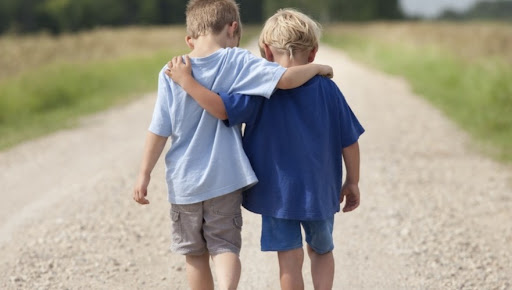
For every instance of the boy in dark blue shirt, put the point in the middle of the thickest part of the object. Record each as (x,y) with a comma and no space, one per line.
(295,142)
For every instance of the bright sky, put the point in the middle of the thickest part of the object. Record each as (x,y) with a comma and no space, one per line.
(432,8)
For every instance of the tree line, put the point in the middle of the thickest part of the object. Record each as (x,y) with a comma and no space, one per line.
(495,10)
(56,16)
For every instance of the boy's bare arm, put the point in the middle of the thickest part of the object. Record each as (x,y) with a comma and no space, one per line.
(152,149)
(181,73)
(350,189)
(296,76)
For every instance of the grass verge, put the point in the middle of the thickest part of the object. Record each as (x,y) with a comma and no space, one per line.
(477,95)
(54,96)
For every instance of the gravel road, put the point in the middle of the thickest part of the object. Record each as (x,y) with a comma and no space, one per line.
(435,213)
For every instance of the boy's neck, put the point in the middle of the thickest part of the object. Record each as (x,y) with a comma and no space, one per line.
(285,61)
(207,44)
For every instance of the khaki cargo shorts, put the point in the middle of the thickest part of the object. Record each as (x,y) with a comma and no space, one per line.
(213,225)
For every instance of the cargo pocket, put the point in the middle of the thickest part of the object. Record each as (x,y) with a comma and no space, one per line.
(176,226)
(237,238)
(238,221)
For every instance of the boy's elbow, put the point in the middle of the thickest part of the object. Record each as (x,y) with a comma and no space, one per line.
(284,84)
(219,114)
(223,116)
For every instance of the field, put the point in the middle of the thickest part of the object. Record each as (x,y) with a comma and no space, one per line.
(465,69)
(47,82)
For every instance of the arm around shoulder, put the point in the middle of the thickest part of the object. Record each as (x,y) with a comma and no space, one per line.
(181,73)
(296,76)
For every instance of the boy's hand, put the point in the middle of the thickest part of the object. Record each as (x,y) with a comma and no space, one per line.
(178,71)
(352,195)
(326,71)
(141,189)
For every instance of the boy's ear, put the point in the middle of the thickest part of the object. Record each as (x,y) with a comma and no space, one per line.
(232,28)
(312,54)
(268,53)
(190,41)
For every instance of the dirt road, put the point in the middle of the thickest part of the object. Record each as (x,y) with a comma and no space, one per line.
(435,214)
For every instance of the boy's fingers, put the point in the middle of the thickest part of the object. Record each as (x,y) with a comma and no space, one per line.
(350,206)
(177,60)
(139,196)
(187,60)
(142,201)
(347,208)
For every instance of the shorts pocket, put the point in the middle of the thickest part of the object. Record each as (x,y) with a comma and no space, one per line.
(176,226)
(238,221)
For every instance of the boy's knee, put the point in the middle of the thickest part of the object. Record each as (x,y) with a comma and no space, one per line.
(318,252)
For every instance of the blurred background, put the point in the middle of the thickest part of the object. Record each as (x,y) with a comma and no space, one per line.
(55,16)
(61,59)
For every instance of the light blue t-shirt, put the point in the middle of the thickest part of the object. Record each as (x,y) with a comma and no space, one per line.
(206,158)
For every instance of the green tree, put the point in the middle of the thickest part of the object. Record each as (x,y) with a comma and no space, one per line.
(251,11)
(23,15)
(388,9)
(497,9)
(318,9)
(5,15)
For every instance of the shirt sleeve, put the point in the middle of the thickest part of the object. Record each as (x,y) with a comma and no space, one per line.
(256,75)
(351,129)
(161,121)
(241,108)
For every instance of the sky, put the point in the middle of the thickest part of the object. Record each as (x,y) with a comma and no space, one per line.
(432,8)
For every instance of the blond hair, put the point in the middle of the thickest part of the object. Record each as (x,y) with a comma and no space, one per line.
(291,31)
(211,16)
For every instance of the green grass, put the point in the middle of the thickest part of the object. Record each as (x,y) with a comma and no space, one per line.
(477,95)
(54,96)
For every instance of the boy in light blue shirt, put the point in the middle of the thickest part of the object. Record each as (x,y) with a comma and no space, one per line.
(295,142)
(206,167)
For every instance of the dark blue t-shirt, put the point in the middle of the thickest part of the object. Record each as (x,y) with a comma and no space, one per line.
(294,141)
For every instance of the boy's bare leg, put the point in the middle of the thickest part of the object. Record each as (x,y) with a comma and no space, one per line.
(199,274)
(322,269)
(290,269)
(227,269)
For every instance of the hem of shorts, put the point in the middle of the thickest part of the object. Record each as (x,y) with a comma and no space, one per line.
(269,249)
(185,253)
(222,251)
(215,193)
(217,252)
(320,252)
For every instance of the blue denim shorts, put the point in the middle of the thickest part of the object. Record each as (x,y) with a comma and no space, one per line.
(284,235)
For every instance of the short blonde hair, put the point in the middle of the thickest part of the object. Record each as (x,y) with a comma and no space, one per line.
(211,16)
(291,31)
